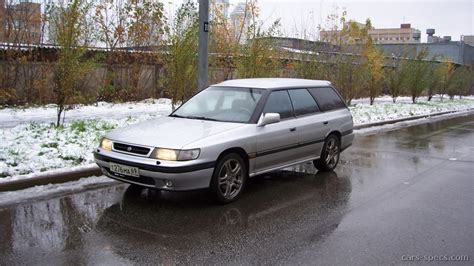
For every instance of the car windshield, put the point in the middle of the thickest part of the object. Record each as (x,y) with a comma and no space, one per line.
(225,104)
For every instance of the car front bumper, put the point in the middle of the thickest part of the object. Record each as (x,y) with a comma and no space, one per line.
(182,176)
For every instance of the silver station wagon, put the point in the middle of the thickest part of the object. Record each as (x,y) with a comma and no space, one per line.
(230,132)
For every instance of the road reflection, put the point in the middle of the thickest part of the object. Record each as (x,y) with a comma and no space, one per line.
(124,224)
(54,225)
(272,207)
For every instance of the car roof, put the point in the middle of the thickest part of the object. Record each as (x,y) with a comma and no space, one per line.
(273,83)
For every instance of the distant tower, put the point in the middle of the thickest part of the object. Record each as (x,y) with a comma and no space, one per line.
(223,5)
(430,33)
(240,21)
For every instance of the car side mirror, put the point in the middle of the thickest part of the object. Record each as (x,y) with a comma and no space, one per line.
(268,118)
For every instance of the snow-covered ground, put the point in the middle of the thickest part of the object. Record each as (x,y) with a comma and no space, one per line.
(384,109)
(10,117)
(29,142)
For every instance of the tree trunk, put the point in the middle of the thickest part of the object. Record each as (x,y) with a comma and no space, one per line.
(60,110)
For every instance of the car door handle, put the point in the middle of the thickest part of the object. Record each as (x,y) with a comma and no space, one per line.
(326,122)
(293,129)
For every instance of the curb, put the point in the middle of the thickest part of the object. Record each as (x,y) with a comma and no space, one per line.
(54,177)
(51,177)
(387,122)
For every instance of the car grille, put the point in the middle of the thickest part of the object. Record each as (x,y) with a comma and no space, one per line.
(131,149)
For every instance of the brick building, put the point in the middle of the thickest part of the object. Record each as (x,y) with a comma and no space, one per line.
(20,22)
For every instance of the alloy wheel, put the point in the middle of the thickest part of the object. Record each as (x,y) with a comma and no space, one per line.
(332,153)
(230,178)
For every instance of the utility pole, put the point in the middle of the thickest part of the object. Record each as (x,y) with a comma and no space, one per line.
(203,51)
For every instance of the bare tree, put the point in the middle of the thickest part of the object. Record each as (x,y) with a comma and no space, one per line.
(72,62)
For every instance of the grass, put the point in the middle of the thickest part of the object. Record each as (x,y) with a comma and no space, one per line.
(50,145)
(79,126)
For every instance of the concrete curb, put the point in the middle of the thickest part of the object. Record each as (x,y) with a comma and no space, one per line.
(50,177)
(54,177)
(387,122)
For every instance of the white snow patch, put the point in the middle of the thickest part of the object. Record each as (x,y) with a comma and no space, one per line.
(10,117)
(384,109)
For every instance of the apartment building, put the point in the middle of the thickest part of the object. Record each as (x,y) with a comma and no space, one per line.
(404,34)
(20,22)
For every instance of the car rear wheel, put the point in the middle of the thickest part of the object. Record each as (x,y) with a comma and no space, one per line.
(329,155)
(229,178)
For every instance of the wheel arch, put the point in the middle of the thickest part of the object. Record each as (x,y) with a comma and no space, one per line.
(238,150)
(336,133)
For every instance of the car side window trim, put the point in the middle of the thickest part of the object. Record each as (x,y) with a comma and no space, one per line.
(336,92)
(292,106)
(318,111)
(293,116)
(340,97)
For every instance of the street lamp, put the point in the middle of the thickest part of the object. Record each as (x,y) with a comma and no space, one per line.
(203,51)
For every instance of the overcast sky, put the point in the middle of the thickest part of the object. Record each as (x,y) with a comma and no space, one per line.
(454,18)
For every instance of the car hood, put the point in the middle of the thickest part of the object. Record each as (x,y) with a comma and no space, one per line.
(169,132)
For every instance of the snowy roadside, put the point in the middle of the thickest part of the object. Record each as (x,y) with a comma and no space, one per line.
(30,147)
(10,117)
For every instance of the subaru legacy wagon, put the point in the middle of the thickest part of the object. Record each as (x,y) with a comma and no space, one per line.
(230,132)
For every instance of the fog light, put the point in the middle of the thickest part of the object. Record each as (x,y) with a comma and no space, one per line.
(168,183)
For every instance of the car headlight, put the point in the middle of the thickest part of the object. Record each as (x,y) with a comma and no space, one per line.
(106,144)
(175,155)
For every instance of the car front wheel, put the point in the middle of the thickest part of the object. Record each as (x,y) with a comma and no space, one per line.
(229,178)
(329,155)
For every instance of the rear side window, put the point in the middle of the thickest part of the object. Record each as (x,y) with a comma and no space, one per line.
(327,98)
(303,102)
(279,102)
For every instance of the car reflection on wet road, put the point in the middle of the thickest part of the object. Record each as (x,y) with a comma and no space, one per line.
(406,192)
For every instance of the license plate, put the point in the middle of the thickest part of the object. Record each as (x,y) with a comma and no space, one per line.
(124,170)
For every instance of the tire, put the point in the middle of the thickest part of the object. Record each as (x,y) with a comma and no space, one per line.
(329,155)
(229,178)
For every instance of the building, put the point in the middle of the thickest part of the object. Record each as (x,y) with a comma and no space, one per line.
(468,39)
(438,49)
(222,6)
(2,19)
(301,45)
(21,23)
(240,20)
(336,37)
(404,34)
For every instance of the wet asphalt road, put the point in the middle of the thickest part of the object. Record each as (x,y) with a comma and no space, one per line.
(394,196)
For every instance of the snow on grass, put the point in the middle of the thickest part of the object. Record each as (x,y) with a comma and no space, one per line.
(30,143)
(10,117)
(38,147)
(384,109)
